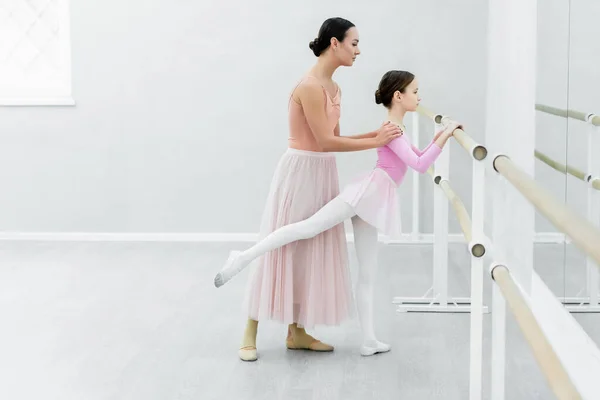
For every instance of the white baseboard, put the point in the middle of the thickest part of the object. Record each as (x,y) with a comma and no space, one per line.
(423,238)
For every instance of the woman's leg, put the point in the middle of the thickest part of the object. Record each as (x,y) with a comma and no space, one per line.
(365,242)
(247,351)
(330,215)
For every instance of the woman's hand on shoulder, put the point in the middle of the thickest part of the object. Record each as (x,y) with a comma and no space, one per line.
(387,132)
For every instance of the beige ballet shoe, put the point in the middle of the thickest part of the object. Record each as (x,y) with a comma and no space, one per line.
(314,345)
(247,353)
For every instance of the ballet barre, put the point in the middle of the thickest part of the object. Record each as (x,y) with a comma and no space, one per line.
(460,210)
(545,355)
(556,338)
(588,298)
(568,169)
(479,152)
(542,318)
(436,299)
(583,234)
(578,115)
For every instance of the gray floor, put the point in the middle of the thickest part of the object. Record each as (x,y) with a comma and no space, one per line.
(142,321)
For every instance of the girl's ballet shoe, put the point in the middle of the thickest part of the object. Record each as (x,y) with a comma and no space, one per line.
(371,350)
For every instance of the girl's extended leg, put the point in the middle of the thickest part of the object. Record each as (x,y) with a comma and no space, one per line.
(331,214)
(365,242)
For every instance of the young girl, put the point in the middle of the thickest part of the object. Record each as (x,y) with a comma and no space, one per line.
(370,201)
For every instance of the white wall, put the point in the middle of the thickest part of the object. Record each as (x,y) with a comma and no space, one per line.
(567,78)
(181,111)
(584,95)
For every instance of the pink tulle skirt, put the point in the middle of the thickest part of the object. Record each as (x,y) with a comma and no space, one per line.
(308,281)
(374,198)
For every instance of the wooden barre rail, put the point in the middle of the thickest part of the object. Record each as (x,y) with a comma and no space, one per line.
(548,361)
(478,151)
(567,169)
(581,116)
(457,204)
(585,236)
(560,167)
(461,212)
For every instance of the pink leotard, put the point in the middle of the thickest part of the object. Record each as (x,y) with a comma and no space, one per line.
(399,154)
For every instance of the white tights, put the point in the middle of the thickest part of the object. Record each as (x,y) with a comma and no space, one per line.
(330,215)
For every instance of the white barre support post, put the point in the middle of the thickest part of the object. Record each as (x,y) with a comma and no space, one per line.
(498,302)
(510,129)
(478,235)
(415,185)
(498,343)
(440,228)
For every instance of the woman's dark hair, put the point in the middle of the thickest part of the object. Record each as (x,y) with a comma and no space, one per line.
(332,27)
(392,82)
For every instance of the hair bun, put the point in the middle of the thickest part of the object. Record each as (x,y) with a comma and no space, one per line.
(313,44)
(378,99)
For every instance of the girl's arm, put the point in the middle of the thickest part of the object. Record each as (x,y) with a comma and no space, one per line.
(421,162)
(420,152)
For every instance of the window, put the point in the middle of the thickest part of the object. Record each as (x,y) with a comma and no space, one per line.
(35,52)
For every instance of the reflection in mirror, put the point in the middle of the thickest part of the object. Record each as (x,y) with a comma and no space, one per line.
(552,88)
(583,155)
